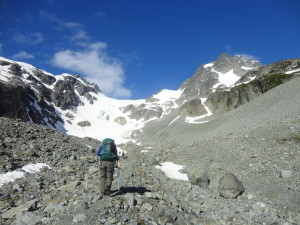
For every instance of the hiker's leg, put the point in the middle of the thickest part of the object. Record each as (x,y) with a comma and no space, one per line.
(103,169)
(109,175)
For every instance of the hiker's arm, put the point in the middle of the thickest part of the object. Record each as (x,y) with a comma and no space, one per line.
(119,164)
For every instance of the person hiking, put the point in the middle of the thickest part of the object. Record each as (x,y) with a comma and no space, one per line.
(108,157)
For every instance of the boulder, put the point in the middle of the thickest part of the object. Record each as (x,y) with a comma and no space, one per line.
(15,210)
(230,186)
(199,178)
(28,218)
(84,124)
(121,120)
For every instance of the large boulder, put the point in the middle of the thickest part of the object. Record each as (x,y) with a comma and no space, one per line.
(121,120)
(230,186)
(193,107)
(84,124)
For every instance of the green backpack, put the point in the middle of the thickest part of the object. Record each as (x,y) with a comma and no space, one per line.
(106,153)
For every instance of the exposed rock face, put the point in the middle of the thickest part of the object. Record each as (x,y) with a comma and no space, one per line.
(18,100)
(206,76)
(266,78)
(33,94)
(193,108)
(143,112)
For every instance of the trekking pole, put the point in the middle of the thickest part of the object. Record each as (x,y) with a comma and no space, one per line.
(119,178)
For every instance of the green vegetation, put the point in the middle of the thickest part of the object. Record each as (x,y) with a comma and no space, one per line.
(296,137)
(274,80)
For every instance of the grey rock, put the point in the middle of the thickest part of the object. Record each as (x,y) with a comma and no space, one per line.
(93,170)
(199,178)
(193,108)
(71,186)
(15,210)
(230,186)
(285,173)
(146,207)
(84,124)
(121,120)
(28,218)
(80,218)
(130,200)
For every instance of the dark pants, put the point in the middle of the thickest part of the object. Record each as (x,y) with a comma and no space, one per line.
(106,173)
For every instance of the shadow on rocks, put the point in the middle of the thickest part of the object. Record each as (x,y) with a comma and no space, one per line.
(125,190)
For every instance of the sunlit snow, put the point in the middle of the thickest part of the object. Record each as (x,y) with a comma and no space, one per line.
(196,118)
(172,170)
(14,175)
(246,68)
(292,71)
(226,79)
(208,65)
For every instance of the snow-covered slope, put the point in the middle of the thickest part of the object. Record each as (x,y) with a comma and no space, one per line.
(79,107)
(72,105)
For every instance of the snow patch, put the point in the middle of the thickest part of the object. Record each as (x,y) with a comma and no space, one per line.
(208,65)
(246,68)
(167,95)
(227,79)
(172,170)
(292,71)
(14,175)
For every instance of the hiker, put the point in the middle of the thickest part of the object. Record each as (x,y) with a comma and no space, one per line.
(108,157)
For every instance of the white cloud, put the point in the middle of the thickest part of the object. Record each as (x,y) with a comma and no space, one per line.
(97,66)
(23,55)
(101,16)
(252,57)
(30,39)
(76,31)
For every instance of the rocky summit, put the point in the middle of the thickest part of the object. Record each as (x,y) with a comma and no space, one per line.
(237,145)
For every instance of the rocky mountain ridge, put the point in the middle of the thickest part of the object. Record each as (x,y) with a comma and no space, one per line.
(206,78)
(31,94)
(59,101)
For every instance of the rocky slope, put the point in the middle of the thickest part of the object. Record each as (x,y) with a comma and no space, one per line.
(69,192)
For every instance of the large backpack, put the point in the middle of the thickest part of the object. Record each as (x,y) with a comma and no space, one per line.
(106,152)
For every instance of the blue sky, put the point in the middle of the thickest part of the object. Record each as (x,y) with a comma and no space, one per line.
(134,48)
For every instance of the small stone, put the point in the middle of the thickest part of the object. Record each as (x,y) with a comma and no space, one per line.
(285,173)
(147,207)
(93,170)
(79,218)
(131,201)
(258,206)
(70,187)
(250,196)
(28,218)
